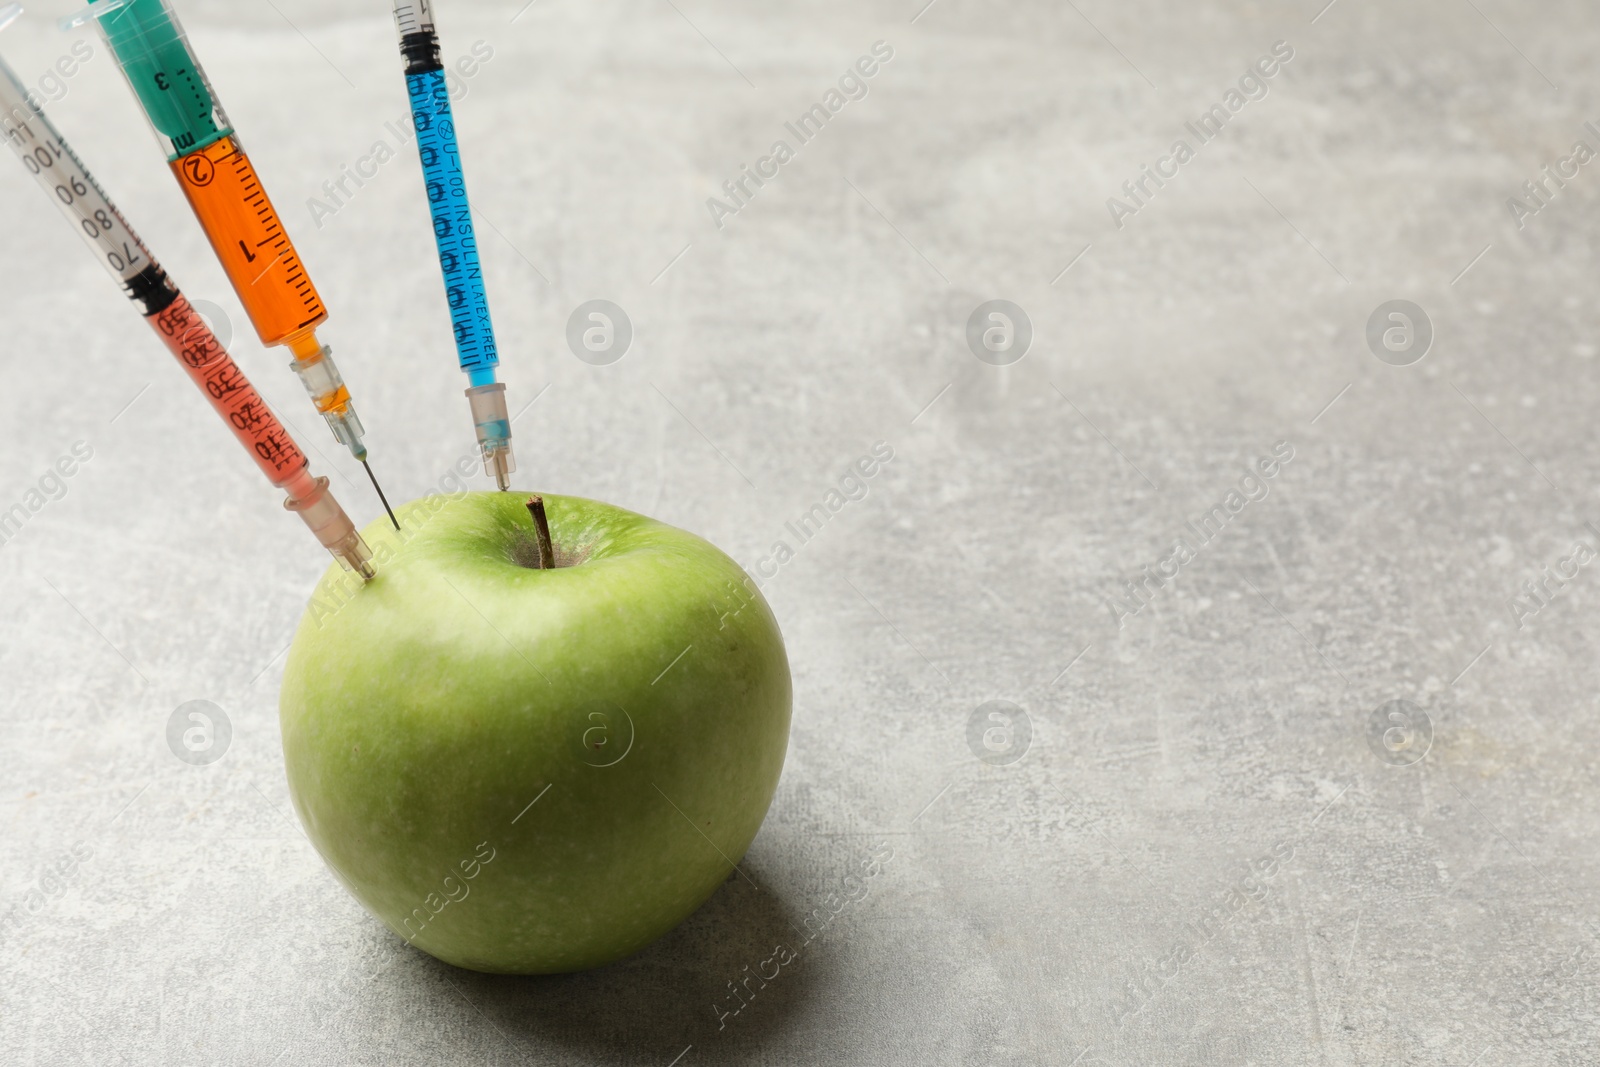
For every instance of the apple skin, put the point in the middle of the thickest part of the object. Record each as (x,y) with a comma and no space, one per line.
(423,712)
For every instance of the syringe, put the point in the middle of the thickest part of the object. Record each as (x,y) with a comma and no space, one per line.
(455,235)
(65,180)
(227,197)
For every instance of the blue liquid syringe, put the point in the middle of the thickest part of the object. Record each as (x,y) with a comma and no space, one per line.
(455,235)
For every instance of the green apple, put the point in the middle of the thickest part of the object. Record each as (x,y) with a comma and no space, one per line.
(529,771)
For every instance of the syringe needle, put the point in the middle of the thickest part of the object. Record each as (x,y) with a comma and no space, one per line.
(381,497)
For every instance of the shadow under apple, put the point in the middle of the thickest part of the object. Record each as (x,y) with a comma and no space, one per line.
(676,992)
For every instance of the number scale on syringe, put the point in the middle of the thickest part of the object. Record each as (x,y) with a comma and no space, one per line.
(54,166)
(249,240)
(453,229)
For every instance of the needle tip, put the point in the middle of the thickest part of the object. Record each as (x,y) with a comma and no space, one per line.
(381,497)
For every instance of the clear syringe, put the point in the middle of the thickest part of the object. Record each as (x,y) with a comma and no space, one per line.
(228,199)
(455,235)
(68,184)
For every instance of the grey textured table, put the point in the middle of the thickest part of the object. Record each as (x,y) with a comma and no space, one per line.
(1198,838)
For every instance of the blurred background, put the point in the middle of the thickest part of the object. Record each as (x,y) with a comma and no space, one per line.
(1325,797)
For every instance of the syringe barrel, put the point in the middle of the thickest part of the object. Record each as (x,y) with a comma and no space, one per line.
(244,229)
(209,366)
(152,50)
(454,232)
(68,184)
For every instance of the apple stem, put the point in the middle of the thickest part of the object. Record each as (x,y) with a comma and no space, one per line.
(541,526)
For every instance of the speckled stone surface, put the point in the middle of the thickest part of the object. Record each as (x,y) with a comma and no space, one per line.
(1195,834)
